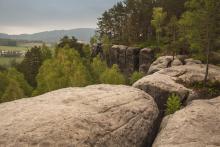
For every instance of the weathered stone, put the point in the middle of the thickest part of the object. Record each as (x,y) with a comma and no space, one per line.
(114,55)
(176,62)
(132,59)
(161,63)
(99,115)
(172,80)
(122,57)
(160,86)
(146,57)
(188,74)
(192,61)
(197,125)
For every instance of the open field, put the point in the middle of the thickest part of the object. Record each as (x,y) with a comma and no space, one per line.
(5,61)
(14,48)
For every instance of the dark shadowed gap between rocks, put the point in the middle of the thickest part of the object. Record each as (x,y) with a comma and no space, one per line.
(160,96)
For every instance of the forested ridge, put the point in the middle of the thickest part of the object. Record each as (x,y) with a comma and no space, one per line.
(180,26)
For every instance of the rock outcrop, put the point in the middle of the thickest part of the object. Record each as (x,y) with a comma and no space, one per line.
(99,115)
(192,61)
(187,74)
(197,125)
(130,59)
(145,59)
(160,86)
(172,80)
(161,63)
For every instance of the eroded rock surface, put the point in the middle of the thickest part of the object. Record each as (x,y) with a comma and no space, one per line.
(172,80)
(197,125)
(161,63)
(99,115)
(160,86)
(193,73)
(146,57)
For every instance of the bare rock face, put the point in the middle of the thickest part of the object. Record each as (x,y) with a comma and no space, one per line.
(146,57)
(192,61)
(176,62)
(161,63)
(132,59)
(193,73)
(122,57)
(172,80)
(197,125)
(114,56)
(99,115)
(160,86)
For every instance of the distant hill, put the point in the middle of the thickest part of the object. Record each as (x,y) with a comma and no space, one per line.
(82,34)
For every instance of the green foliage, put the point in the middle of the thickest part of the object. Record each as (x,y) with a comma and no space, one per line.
(94,40)
(98,67)
(157,22)
(135,77)
(112,76)
(201,21)
(70,43)
(127,21)
(65,70)
(173,104)
(87,51)
(210,90)
(172,36)
(13,86)
(3,83)
(13,91)
(46,52)
(30,65)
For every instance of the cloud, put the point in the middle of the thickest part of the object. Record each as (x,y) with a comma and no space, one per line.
(28,16)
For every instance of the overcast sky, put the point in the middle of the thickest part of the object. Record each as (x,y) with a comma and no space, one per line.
(30,16)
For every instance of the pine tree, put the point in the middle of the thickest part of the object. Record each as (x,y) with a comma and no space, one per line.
(157,22)
(202,17)
(30,65)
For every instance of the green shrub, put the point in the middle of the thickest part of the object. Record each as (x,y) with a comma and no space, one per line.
(173,104)
(112,76)
(136,76)
(210,90)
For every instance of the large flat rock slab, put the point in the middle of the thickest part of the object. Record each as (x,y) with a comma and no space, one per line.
(197,125)
(99,115)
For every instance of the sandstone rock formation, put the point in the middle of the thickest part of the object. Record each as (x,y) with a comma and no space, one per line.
(172,80)
(130,59)
(192,73)
(176,62)
(161,63)
(99,115)
(145,59)
(197,125)
(192,61)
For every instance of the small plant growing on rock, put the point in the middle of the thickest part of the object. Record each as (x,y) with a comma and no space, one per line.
(173,104)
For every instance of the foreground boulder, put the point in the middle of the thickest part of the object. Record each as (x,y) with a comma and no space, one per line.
(160,86)
(197,125)
(101,116)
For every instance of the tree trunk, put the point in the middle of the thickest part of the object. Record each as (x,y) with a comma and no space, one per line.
(207,60)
